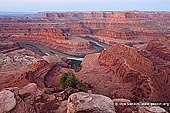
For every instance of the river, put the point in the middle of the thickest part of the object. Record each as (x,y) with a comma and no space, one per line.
(44,50)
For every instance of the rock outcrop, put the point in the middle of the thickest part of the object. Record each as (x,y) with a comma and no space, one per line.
(38,72)
(19,67)
(119,72)
(8,47)
(160,48)
(123,33)
(89,103)
(14,63)
(30,99)
(152,109)
(45,74)
(158,52)
(52,33)
(26,98)
(7,101)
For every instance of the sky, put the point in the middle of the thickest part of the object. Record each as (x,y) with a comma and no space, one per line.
(82,5)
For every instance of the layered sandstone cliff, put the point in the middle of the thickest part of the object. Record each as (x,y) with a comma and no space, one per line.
(122,72)
(118,33)
(119,25)
(52,33)
(113,15)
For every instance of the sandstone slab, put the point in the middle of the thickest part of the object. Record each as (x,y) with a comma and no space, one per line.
(152,109)
(7,101)
(89,103)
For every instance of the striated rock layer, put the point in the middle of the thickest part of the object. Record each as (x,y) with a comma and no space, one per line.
(119,25)
(122,72)
(62,30)
(160,48)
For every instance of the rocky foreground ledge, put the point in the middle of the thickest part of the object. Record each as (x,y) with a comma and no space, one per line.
(30,99)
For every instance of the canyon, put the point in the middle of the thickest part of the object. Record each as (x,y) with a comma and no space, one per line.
(121,55)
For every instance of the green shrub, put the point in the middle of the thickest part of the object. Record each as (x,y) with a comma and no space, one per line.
(68,79)
(82,87)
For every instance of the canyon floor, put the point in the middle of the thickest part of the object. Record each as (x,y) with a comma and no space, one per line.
(122,57)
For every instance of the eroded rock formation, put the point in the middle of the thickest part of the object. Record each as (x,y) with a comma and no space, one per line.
(14,64)
(120,72)
(160,48)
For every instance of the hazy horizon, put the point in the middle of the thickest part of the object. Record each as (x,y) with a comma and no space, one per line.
(33,6)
